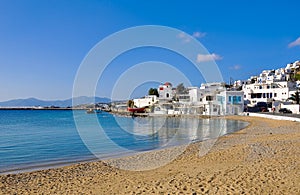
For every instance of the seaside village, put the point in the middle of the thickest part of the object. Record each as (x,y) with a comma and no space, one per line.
(270,91)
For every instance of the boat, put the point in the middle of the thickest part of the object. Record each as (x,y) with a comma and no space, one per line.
(135,109)
(90,111)
(98,111)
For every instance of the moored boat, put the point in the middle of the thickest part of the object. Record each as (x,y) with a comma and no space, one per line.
(90,111)
(139,110)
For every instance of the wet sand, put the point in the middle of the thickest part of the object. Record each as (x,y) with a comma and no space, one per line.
(263,158)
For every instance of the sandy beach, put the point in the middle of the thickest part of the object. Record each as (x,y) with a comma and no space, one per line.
(263,158)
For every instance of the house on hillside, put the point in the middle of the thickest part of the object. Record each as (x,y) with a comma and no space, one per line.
(272,85)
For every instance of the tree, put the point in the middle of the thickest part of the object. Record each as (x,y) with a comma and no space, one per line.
(295,97)
(153,91)
(180,89)
(130,103)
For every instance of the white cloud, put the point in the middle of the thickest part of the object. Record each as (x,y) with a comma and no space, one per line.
(199,34)
(181,35)
(295,43)
(186,38)
(208,57)
(235,67)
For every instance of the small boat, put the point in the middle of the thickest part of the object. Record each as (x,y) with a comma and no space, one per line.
(98,111)
(90,111)
(138,110)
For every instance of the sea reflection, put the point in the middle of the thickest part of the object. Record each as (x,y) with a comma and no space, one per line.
(170,131)
(122,135)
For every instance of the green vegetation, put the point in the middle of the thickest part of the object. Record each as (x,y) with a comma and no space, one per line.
(297,77)
(180,89)
(153,91)
(295,97)
(130,103)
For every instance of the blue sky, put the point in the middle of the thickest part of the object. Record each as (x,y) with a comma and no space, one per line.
(43,42)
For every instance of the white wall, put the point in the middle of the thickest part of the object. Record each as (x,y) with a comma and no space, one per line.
(292,107)
(165,92)
(231,102)
(146,101)
(282,91)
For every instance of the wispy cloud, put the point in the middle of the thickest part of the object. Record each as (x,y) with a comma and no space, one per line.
(295,43)
(235,67)
(186,38)
(208,57)
(199,34)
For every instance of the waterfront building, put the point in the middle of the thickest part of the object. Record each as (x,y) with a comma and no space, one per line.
(146,101)
(166,92)
(211,99)
(231,102)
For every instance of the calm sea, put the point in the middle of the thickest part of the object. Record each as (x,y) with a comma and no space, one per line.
(38,139)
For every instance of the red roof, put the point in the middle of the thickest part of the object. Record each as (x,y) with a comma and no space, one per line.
(167,83)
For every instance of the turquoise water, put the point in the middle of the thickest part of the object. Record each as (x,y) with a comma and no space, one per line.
(44,138)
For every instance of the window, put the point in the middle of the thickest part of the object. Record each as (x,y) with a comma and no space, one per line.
(234,99)
(229,98)
(200,99)
(167,95)
(209,98)
(259,95)
(268,86)
(275,94)
(239,98)
(271,95)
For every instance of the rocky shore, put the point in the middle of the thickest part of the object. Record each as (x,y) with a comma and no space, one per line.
(263,158)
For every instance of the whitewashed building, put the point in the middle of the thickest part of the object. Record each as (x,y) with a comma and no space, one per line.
(212,99)
(166,91)
(231,102)
(146,101)
(240,83)
(208,91)
(272,85)
(269,91)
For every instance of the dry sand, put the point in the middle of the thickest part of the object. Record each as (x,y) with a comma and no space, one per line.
(264,158)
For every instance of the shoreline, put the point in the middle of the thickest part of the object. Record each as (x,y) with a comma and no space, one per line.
(261,158)
(58,163)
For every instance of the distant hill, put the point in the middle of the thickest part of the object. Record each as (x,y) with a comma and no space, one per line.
(30,102)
